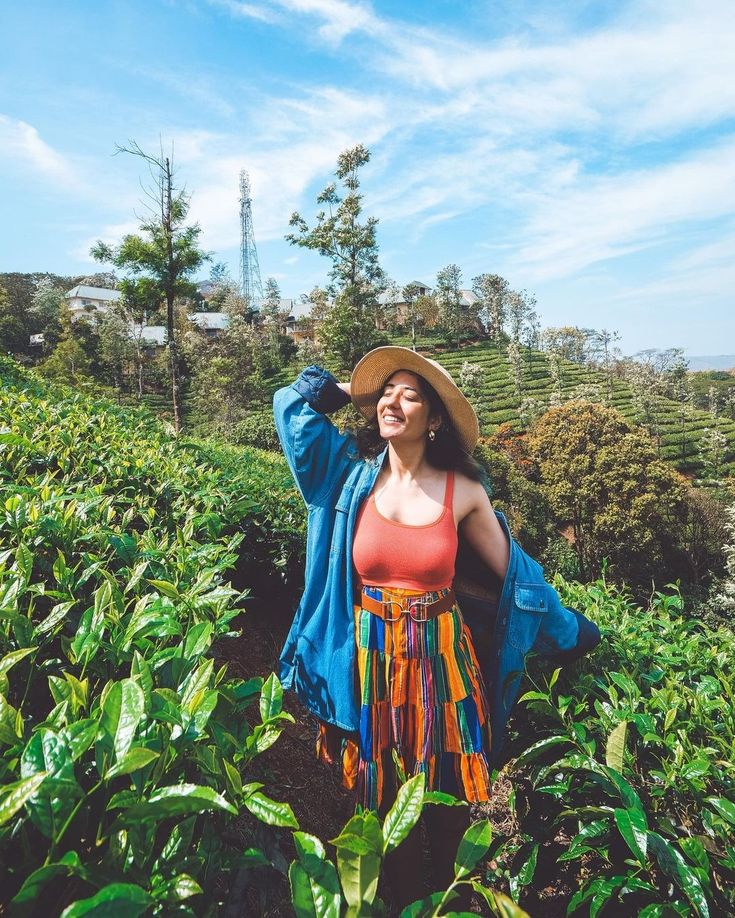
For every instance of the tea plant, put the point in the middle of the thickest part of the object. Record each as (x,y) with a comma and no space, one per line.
(319,890)
(124,750)
(636,764)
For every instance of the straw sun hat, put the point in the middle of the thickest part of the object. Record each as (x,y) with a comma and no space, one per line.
(371,373)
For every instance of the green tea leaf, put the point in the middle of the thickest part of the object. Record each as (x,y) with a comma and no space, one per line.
(166,588)
(500,904)
(443,799)
(122,711)
(68,865)
(178,888)
(134,759)
(270,811)
(118,900)
(54,799)
(723,806)
(634,829)
(426,906)
(359,874)
(8,723)
(308,846)
(13,796)
(674,866)
(474,846)
(404,813)
(361,835)
(615,749)
(198,640)
(538,749)
(10,659)
(526,871)
(178,800)
(271,698)
(319,894)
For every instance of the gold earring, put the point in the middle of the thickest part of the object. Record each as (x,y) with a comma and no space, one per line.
(432,435)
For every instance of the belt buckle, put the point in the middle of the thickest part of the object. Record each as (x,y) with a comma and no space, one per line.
(387,605)
(422,604)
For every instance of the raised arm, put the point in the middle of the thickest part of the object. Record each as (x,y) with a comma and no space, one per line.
(318,455)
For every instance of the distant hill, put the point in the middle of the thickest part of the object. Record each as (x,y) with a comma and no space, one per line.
(719,362)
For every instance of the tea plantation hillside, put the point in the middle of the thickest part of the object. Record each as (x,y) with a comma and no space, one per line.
(679,431)
(127,754)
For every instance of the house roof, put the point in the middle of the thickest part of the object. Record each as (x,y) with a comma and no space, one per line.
(151,334)
(94,293)
(211,320)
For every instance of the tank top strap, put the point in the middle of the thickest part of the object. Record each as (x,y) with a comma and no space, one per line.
(449,490)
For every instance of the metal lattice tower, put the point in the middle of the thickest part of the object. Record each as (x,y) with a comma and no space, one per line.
(251,287)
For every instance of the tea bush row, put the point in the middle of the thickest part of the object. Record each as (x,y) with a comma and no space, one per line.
(125,752)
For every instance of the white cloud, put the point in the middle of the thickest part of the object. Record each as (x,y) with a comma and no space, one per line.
(593,219)
(338,17)
(22,145)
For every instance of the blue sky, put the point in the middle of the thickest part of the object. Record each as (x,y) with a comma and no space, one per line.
(583,150)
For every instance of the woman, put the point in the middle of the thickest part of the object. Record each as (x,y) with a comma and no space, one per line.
(393,678)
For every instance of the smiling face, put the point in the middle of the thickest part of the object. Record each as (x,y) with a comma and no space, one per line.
(403,410)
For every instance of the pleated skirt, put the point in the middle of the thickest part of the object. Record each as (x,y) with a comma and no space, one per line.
(423,708)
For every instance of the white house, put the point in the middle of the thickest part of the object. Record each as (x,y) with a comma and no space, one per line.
(211,323)
(86,301)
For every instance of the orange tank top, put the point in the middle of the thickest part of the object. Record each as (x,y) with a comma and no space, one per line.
(386,553)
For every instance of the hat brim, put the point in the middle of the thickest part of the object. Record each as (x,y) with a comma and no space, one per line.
(371,372)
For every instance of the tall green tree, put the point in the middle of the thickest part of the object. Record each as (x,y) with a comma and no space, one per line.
(69,362)
(13,330)
(448,295)
(356,278)
(492,291)
(45,310)
(164,255)
(604,478)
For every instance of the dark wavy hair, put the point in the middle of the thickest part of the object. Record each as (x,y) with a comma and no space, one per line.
(445,451)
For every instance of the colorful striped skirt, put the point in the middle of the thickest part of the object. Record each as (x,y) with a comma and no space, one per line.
(423,707)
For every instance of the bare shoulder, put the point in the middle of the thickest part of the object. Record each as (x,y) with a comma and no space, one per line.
(469,495)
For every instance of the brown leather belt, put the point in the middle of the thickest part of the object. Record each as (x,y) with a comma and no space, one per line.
(390,608)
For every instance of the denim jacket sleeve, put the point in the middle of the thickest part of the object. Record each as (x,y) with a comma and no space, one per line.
(565,635)
(317,453)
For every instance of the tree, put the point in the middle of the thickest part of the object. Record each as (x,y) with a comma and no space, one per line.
(521,313)
(273,322)
(165,254)
(419,310)
(448,295)
(222,285)
(356,278)
(13,331)
(604,478)
(516,367)
(118,349)
(603,351)
(568,342)
(712,452)
(45,310)
(68,363)
(472,382)
(492,292)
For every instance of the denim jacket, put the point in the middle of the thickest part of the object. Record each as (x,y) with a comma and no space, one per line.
(318,659)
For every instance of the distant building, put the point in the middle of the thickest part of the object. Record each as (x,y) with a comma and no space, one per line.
(150,335)
(36,340)
(89,301)
(211,323)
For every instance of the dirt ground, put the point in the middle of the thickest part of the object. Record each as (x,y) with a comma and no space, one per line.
(322,806)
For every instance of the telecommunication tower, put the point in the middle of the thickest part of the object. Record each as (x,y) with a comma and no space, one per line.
(251,287)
